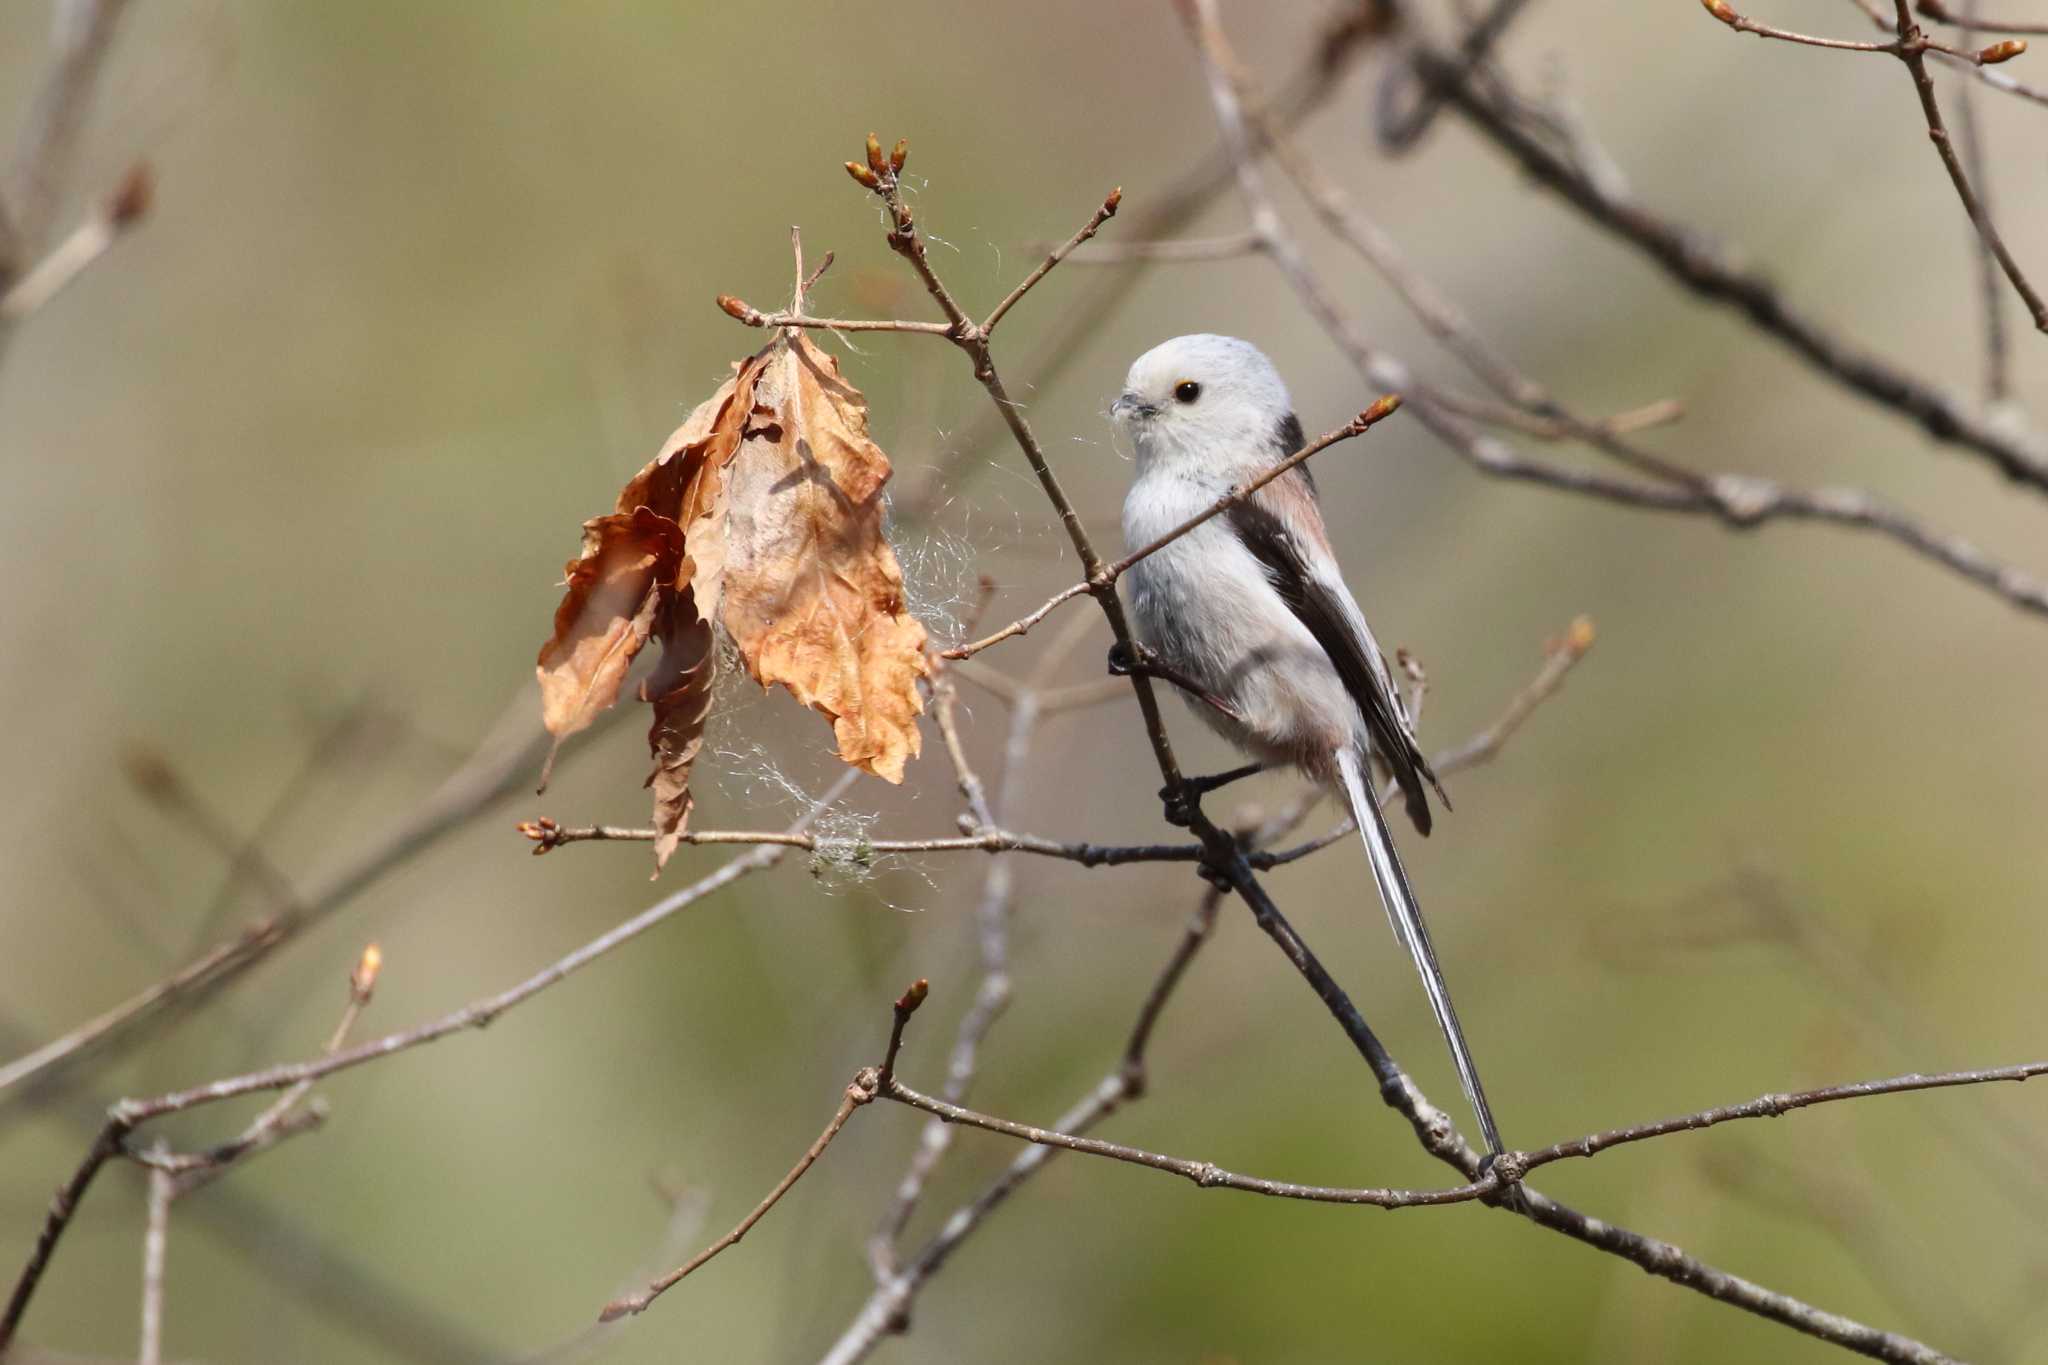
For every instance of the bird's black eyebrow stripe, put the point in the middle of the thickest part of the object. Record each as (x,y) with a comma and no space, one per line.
(1271,543)
(1289,437)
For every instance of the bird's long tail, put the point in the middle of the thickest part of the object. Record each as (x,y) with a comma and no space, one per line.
(1406,917)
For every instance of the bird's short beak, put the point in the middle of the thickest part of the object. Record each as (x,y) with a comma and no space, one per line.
(1128,407)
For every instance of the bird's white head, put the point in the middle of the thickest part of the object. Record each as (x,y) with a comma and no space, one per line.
(1214,399)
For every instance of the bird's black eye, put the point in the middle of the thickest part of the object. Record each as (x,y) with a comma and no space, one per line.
(1187,391)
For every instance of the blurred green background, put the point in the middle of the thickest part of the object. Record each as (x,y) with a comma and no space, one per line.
(424,283)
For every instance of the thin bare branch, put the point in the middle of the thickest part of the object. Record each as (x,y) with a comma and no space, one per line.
(81,32)
(547,835)
(155,1243)
(1508,1169)
(857,1094)
(1660,413)
(1053,258)
(1558,661)
(284,1117)
(1206,1174)
(745,312)
(1021,626)
(1743,24)
(1990,298)
(906,1005)
(92,239)
(1173,251)
(1773,1105)
(1913,48)
(1399,129)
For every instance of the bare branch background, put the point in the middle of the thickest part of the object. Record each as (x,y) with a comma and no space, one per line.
(309,449)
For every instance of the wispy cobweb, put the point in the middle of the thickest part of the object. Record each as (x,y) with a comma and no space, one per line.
(759,781)
(769,789)
(941,579)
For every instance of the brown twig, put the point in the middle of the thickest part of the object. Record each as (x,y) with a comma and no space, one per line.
(1173,251)
(745,312)
(1659,413)
(1399,129)
(906,1005)
(1558,661)
(1990,299)
(1053,258)
(1206,1174)
(282,1117)
(70,258)
(858,1093)
(82,31)
(1507,1169)
(1997,78)
(163,1189)
(1912,50)
(1744,24)
(547,835)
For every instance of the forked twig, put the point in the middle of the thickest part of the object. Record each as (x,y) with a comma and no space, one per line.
(858,1093)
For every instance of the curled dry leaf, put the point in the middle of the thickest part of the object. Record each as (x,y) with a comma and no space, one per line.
(813,593)
(764,513)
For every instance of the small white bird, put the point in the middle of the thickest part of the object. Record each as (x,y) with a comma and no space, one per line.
(1250,607)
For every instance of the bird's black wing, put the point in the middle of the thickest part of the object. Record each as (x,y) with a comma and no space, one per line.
(1328,615)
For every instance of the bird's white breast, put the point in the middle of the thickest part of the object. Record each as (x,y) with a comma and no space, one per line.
(1205,604)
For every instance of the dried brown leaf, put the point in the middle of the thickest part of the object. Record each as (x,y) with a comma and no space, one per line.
(606,616)
(763,512)
(680,691)
(666,532)
(813,593)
